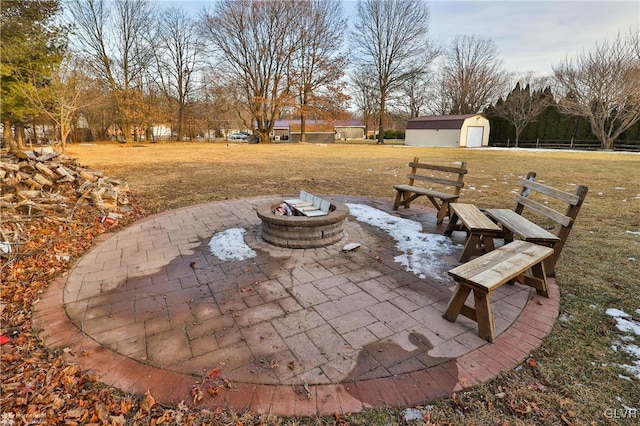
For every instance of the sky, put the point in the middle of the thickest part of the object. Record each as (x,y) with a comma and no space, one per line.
(530,35)
(535,35)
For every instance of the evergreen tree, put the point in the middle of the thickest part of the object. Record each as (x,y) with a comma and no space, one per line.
(31,41)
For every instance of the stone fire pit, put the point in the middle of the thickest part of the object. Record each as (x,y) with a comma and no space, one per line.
(302,231)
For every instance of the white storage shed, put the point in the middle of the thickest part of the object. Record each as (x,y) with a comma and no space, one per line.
(467,130)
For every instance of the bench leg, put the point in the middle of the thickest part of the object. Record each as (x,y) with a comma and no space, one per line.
(476,242)
(456,303)
(443,212)
(453,225)
(481,313)
(538,279)
(473,242)
(487,243)
(398,200)
(486,326)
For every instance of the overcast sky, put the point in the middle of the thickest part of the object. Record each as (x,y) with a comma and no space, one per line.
(530,35)
(535,35)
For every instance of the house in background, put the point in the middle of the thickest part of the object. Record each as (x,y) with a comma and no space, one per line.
(468,130)
(318,131)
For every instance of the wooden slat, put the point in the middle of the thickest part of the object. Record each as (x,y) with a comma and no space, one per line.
(567,197)
(521,226)
(428,192)
(458,170)
(436,180)
(544,210)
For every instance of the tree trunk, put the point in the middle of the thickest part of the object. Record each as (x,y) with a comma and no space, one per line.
(126,132)
(608,144)
(20,136)
(303,128)
(264,136)
(381,120)
(7,135)
(64,134)
(180,131)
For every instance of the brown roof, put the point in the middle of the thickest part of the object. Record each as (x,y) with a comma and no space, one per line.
(436,122)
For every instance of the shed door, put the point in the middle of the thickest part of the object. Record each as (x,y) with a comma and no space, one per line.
(474,136)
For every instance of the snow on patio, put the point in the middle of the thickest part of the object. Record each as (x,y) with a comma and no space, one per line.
(421,252)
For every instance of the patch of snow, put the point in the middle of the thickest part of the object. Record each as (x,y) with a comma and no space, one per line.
(627,324)
(421,252)
(230,245)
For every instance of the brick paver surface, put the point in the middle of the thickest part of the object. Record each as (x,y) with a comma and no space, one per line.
(292,332)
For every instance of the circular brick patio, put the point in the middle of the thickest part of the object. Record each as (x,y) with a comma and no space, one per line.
(289,331)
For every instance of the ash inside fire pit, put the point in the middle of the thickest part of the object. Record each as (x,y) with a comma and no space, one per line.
(316,228)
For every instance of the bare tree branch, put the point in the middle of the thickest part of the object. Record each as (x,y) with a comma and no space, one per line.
(256,40)
(603,86)
(471,76)
(391,39)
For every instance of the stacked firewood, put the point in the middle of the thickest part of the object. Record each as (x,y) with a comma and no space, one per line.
(44,184)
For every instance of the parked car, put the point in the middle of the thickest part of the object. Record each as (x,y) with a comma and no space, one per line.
(239,136)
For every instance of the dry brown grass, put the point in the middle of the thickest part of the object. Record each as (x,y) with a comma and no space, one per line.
(575,378)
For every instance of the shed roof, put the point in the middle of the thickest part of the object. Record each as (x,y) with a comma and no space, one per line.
(435,122)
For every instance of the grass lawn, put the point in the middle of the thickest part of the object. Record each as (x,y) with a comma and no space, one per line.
(574,377)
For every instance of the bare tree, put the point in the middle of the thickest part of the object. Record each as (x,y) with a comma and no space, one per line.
(522,105)
(179,55)
(256,40)
(471,74)
(112,35)
(391,39)
(603,85)
(415,94)
(364,95)
(61,96)
(317,66)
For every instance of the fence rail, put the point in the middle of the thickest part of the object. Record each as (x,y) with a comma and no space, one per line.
(584,145)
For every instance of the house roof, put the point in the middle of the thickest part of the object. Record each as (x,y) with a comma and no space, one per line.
(437,122)
(286,124)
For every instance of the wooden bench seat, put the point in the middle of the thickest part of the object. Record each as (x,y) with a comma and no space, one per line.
(486,273)
(479,228)
(541,202)
(445,177)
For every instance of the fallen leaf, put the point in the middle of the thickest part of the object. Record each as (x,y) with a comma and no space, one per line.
(213,390)
(147,402)
(102,412)
(196,394)
(215,374)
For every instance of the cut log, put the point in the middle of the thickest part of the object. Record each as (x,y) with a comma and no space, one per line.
(42,180)
(88,176)
(45,171)
(9,166)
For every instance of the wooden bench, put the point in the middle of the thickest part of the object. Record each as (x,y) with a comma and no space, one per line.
(431,174)
(515,224)
(486,273)
(479,228)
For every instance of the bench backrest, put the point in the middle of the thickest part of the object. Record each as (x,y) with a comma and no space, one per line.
(543,202)
(436,174)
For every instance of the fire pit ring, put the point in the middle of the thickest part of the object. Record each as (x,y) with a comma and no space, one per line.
(302,231)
